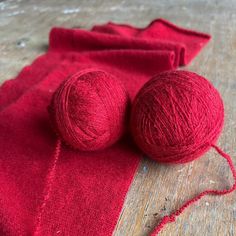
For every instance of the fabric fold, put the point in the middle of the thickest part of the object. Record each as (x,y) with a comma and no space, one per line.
(82,41)
(192,41)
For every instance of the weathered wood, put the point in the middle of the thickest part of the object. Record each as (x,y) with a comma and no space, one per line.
(157,189)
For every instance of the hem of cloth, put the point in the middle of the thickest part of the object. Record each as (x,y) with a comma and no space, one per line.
(168,23)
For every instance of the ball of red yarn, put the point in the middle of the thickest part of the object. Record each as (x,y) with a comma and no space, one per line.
(176,117)
(89,110)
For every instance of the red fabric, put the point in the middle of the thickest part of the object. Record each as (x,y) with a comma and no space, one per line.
(187,41)
(88,189)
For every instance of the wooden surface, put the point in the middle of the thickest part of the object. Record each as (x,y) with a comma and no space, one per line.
(157,189)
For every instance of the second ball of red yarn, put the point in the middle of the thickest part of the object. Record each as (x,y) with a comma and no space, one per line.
(176,116)
(89,110)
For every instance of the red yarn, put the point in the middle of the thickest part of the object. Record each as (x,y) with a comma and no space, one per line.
(48,188)
(176,117)
(157,112)
(89,110)
(171,218)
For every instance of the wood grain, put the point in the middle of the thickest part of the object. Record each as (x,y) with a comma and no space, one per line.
(157,189)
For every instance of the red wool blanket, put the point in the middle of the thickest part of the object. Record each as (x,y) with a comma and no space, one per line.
(88,188)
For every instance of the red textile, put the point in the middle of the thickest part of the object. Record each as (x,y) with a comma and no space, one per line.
(89,188)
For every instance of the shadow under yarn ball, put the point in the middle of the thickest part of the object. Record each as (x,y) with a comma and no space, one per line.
(176,117)
(89,110)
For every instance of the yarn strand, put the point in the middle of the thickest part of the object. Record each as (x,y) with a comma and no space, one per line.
(172,217)
(49,182)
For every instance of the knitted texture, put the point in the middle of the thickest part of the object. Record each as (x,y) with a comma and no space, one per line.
(189,42)
(79,193)
(176,117)
(89,110)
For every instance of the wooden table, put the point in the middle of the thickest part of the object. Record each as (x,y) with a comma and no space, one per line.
(157,189)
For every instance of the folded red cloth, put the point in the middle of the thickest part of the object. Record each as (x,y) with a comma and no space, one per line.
(88,189)
(188,41)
